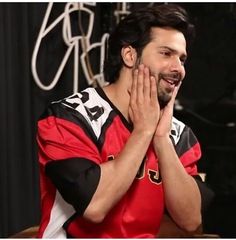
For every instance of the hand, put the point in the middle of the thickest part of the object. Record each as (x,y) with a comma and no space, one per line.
(144,109)
(164,125)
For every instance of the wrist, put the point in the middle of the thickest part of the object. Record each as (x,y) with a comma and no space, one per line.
(160,143)
(161,139)
(143,132)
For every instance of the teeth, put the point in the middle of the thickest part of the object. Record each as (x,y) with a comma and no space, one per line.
(170,82)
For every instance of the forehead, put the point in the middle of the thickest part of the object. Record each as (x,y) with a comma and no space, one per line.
(168,37)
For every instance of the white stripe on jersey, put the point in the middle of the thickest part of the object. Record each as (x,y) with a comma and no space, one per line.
(60,213)
(177,128)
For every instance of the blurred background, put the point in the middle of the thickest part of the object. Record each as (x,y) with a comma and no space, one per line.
(38,36)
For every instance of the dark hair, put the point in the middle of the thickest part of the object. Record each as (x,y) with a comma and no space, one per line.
(135,30)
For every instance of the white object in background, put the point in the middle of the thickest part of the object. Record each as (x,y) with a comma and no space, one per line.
(100,76)
(73,45)
(121,12)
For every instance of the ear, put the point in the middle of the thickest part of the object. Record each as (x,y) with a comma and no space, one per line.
(129,56)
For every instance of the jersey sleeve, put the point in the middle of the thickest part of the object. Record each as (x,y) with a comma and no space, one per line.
(188,150)
(69,155)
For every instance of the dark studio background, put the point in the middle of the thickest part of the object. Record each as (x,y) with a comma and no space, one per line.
(207,97)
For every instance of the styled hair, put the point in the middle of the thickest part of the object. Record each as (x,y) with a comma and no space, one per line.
(135,31)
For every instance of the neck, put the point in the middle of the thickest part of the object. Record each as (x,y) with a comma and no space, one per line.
(119,96)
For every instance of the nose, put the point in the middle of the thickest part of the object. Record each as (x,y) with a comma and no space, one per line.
(177,65)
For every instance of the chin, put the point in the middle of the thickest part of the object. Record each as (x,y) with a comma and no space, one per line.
(164,100)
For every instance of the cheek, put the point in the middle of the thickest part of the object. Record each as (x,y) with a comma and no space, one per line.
(156,67)
(152,61)
(183,74)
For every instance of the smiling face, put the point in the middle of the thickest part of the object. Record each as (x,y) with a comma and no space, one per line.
(165,56)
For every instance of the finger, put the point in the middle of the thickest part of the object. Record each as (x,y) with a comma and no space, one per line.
(153,88)
(175,92)
(133,94)
(146,87)
(140,83)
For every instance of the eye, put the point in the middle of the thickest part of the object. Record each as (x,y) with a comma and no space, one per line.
(165,53)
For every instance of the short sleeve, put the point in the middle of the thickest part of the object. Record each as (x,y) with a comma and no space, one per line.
(188,150)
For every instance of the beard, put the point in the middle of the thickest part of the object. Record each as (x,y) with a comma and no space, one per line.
(163,98)
(163,95)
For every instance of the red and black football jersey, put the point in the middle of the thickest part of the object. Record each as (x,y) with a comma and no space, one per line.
(75,136)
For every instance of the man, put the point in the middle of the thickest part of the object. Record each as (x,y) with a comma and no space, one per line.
(113,159)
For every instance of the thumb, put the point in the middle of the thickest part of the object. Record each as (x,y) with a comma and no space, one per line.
(175,92)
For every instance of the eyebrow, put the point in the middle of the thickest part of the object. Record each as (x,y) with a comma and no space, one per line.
(173,51)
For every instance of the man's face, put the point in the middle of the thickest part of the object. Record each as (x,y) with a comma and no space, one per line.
(165,55)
